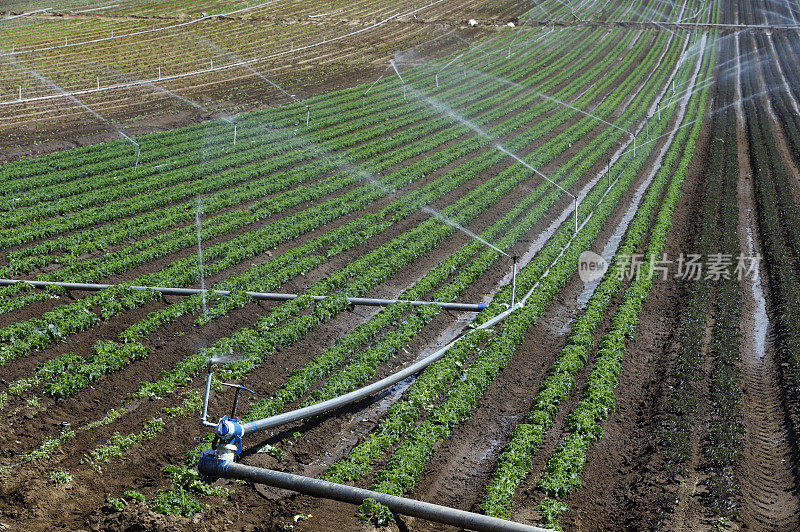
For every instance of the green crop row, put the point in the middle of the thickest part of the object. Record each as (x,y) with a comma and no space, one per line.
(514,461)
(687,371)
(206,146)
(406,463)
(489,157)
(148,246)
(566,463)
(208,253)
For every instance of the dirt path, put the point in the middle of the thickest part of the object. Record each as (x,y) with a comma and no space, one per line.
(768,482)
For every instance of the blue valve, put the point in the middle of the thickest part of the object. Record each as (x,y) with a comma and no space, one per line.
(229,430)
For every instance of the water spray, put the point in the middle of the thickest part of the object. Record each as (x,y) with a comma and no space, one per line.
(246,64)
(391,62)
(364,96)
(478,48)
(579,19)
(453,114)
(60,90)
(540,174)
(655,139)
(442,218)
(197,215)
(456,58)
(564,104)
(224,116)
(587,113)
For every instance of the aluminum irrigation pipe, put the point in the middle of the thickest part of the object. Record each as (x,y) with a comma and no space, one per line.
(11,17)
(215,69)
(366,391)
(262,296)
(212,467)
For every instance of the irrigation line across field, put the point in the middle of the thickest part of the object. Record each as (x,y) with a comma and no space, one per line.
(211,68)
(366,391)
(12,17)
(132,34)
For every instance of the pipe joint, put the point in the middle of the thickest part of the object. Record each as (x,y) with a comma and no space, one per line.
(230,433)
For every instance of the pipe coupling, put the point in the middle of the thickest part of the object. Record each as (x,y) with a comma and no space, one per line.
(230,432)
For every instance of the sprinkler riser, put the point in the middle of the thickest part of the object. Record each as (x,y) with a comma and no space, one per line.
(204,413)
(226,451)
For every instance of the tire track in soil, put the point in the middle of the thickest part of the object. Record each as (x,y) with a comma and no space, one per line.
(768,484)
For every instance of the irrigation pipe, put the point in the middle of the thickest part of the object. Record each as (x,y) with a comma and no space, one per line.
(12,17)
(132,34)
(366,391)
(211,466)
(214,69)
(261,296)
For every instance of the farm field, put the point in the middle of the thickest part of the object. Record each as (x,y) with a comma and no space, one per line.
(407,152)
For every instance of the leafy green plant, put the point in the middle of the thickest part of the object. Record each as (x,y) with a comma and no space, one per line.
(377,513)
(48,446)
(134,495)
(59,477)
(273,451)
(116,504)
(181,498)
(109,418)
(550,509)
(119,444)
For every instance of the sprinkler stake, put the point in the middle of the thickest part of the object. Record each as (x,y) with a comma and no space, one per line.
(514,281)
(239,388)
(204,412)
